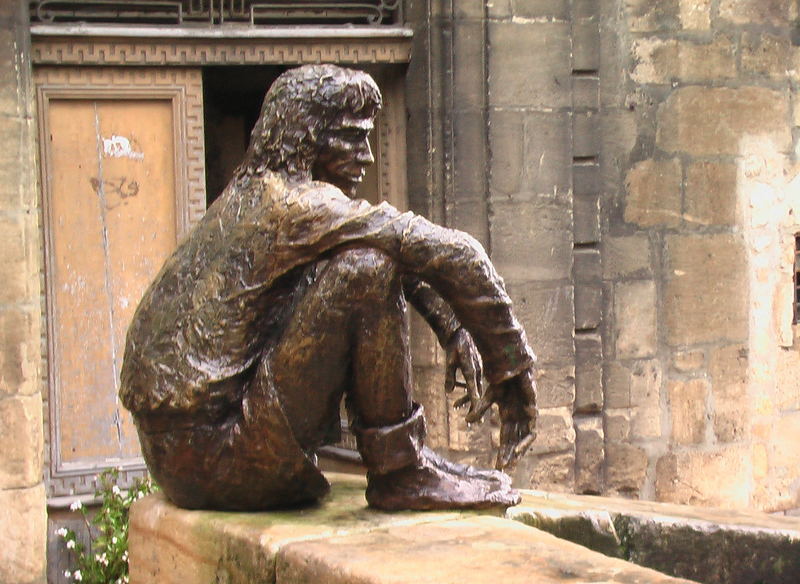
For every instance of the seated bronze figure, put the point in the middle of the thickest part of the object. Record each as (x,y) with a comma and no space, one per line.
(290,295)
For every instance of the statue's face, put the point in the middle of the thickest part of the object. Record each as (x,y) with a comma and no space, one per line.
(344,152)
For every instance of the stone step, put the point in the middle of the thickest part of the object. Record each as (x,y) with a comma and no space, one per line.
(714,546)
(342,541)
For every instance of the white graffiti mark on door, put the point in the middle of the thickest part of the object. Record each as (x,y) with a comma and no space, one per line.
(120,147)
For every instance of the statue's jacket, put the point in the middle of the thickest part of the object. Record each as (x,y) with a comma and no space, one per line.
(222,300)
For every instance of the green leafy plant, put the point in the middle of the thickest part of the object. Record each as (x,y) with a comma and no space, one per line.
(106,559)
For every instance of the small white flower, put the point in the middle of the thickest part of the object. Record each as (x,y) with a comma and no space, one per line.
(67,574)
(114,540)
(125,556)
(62,532)
(75,506)
(71,544)
(77,575)
(115,490)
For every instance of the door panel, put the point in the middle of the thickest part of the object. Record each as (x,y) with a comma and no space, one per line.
(116,197)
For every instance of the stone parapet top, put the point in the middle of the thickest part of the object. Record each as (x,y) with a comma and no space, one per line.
(341,540)
(558,503)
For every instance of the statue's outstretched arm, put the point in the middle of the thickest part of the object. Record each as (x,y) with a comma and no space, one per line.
(460,350)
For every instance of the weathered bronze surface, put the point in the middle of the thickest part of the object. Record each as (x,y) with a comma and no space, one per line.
(289,295)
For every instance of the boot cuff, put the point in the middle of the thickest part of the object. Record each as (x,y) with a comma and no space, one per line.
(389,448)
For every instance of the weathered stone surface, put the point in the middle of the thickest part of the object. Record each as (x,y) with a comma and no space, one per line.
(635,312)
(685,126)
(585,138)
(429,391)
(554,431)
(469,155)
(588,306)
(586,93)
(783,455)
(788,391)
(553,472)
(532,240)
(704,299)
(555,386)
(765,55)
(661,61)
(626,467)
(711,545)
(531,152)
(586,218)
(469,77)
(617,425)
(587,266)
(550,9)
(688,361)
(20,441)
(645,399)
(342,541)
(170,545)
(635,385)
(711,193)
(23,523)
(654,193)
(695,14)
(468,9)
(19,276)
(710,553)
(17,162)
(589,454)
(588,373)
(585,46)
(21,354)
(626,256)
(648,16)
(775,12)
(687,400)
(474,550)
(547,316)
(693,478)
(542,50)
(471,215)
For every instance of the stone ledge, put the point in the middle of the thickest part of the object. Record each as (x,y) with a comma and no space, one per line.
(342,541)
(714,546)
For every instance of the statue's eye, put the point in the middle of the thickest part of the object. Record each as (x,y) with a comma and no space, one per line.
(353,135)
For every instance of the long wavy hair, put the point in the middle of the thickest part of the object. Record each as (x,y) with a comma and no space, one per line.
(298,108)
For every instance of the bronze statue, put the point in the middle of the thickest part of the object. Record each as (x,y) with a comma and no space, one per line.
(289,295)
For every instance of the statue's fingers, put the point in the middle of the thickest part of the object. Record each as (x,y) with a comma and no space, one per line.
(461,402)
(484,403)
(473,383)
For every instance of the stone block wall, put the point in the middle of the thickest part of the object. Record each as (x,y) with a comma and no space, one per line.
(698,149)
(22,498)
(529,114)
(497,164)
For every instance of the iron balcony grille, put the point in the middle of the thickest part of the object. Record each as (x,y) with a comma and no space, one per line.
(217,12)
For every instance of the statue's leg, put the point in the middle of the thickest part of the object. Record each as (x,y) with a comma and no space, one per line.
(349,334)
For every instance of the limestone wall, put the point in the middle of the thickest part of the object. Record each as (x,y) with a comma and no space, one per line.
(698,126)
(22,500)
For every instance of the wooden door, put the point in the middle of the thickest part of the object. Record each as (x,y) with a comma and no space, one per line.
(122,178)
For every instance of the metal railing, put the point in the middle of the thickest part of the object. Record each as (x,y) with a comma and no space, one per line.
(217,12)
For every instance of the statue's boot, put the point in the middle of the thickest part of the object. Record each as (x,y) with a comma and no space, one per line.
(404,474)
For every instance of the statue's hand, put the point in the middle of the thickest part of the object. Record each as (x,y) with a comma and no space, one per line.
(463,354)
(516,400)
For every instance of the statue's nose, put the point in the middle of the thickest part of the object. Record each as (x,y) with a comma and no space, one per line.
(364,155)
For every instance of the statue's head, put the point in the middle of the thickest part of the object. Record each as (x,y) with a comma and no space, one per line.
(314,124)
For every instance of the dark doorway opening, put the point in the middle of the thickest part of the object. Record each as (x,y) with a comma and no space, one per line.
(232,98)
